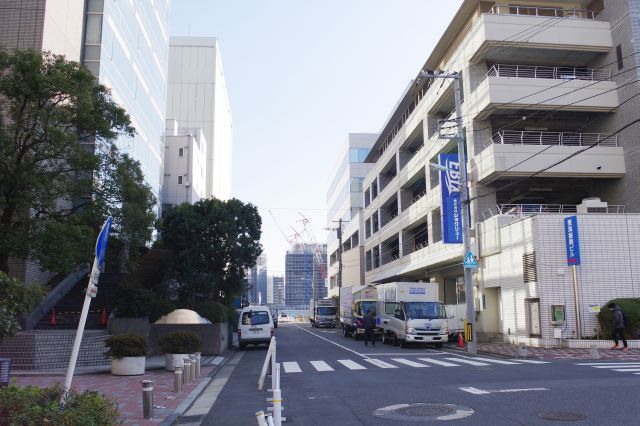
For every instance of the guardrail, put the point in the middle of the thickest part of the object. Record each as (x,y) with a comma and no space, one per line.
(274,419)
(547,12)
(527,137)
(531,209)
(548,72)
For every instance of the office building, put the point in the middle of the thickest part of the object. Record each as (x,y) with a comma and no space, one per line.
(275,290)
(305,270)
(547,89)
(257,281)
(345,203)
(197,99)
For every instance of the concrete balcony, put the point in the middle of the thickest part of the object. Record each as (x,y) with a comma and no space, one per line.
(542,88)
(522,153)
(506,31)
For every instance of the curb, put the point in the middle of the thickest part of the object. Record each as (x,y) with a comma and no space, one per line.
(195,393)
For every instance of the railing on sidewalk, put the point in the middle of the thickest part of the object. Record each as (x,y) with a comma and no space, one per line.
(531,209)
(275,418)
(548,72)
(527,137)
(547,12)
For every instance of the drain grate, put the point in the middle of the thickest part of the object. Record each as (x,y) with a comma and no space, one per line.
(423,411)
(185,420)
(562,416)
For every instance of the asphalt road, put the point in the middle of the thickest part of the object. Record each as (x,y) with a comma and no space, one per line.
(328,379)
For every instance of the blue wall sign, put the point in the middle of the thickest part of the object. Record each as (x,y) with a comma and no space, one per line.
(450,188)
(572,240)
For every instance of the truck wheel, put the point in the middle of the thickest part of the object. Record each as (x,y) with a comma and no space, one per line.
(243,346)
(396,341)
(403,344)
(345,333)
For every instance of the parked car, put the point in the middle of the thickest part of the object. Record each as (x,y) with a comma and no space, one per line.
(284,317)
(255,326)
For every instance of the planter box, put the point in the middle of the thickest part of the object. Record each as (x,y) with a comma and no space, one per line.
(128,366)
(174,360)
(215,337)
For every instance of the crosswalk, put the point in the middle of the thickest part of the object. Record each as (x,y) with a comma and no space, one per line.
(421,362)
(620,367)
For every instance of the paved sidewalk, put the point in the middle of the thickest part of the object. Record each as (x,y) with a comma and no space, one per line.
(511,351)
(127,390)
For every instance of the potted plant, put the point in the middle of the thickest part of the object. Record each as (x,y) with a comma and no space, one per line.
(128,352)
(177,345)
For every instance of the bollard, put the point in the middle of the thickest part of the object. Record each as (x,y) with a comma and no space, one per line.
(193,367)
(198,356)
(593,352)
(186,375)
(270,420)
(260,418)
(522,351)
(177,379)
(147,399)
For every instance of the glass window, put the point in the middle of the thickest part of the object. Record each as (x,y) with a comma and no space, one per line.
(180,152)
(93,29)
(95,6)
(356,184)
(179,180)
(358,155)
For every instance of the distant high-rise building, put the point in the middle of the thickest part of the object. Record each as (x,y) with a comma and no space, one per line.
(276,295)
(197,99)
(257,281)
(302,273)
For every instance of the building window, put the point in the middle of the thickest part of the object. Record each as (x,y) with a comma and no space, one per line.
(180,152)
(357,155)
(356,184)
(619,56)
(179,180)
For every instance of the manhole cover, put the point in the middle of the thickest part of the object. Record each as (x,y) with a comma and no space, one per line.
(562,416)
(423,411)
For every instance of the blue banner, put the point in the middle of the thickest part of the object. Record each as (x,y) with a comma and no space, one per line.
(572,240)
(450,188)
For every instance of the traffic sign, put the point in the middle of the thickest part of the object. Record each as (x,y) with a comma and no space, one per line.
(103,239)
(470,261)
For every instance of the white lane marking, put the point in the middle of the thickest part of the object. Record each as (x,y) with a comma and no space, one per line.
(379,363)
(332,342)
(217,360)
(496,361)
(436,361)
(530,361)
(626,369)
(321,366)
(468,361)
(291,367)
(616,366)
(351,365)
(405,354)
(408,362)
(476,391)
(609,363)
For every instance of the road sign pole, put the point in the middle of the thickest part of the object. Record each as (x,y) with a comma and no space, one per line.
(576,294)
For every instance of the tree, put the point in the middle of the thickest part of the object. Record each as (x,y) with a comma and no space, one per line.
(54,121)
(15,300)
(214,243)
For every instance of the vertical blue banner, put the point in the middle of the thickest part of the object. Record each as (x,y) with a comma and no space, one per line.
(572,240)
(450,188)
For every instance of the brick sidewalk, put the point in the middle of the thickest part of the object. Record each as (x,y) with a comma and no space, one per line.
(127,391)
(507,350)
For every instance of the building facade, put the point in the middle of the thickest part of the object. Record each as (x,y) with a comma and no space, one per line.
(257,281)
(197,98)
(547,90)
(344,204)
(275,291)
(304,272)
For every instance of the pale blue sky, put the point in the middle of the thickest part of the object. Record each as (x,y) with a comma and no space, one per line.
(301,75)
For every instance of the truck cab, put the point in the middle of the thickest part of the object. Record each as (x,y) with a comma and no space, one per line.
(323,313)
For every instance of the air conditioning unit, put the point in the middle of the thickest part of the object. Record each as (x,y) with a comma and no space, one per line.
(592,205)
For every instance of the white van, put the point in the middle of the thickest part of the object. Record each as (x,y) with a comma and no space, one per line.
(255,326)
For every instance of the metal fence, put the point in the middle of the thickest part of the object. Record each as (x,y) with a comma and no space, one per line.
(548,12)
(527,137)
(531,209)
(549,72)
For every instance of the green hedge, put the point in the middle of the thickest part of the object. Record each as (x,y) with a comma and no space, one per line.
(215,312)
(125,345)
(180,342)
(35,406)
(631,309)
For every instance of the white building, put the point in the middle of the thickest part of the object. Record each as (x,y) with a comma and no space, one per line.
(185,159)
(197,99)
(344,204)
(545,87)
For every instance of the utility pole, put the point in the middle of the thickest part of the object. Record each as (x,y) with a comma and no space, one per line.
(464,200)
(339,235)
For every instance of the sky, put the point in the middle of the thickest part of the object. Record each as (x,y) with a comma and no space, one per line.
(301,75)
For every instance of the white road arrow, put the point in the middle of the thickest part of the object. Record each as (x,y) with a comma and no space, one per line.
(477,391)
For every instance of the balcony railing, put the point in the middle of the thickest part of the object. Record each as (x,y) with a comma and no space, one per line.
(548,12)
(554,138)
(531,209)
(556,73)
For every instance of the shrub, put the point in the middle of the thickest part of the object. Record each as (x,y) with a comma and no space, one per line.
(126,344)
(631,309)
(32,405)
(215,312)
(132,301)
(160,308)
(180,342)
(16,299)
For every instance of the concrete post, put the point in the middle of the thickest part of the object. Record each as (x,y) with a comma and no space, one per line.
(177,379)
(187,371)
(147,399)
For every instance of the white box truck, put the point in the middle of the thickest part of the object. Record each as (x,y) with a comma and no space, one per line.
(323,313)
(355,301)
(411,313)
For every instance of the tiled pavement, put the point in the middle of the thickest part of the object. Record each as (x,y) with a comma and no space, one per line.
(126,390)
(557,353)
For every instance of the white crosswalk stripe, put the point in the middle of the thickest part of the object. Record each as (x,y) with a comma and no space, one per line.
(291,367)
(468,361)
(321,366)
(620,367)
(438,362)
(531,361)
(379,363)
(494,361)
(351,365)
(408,362)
